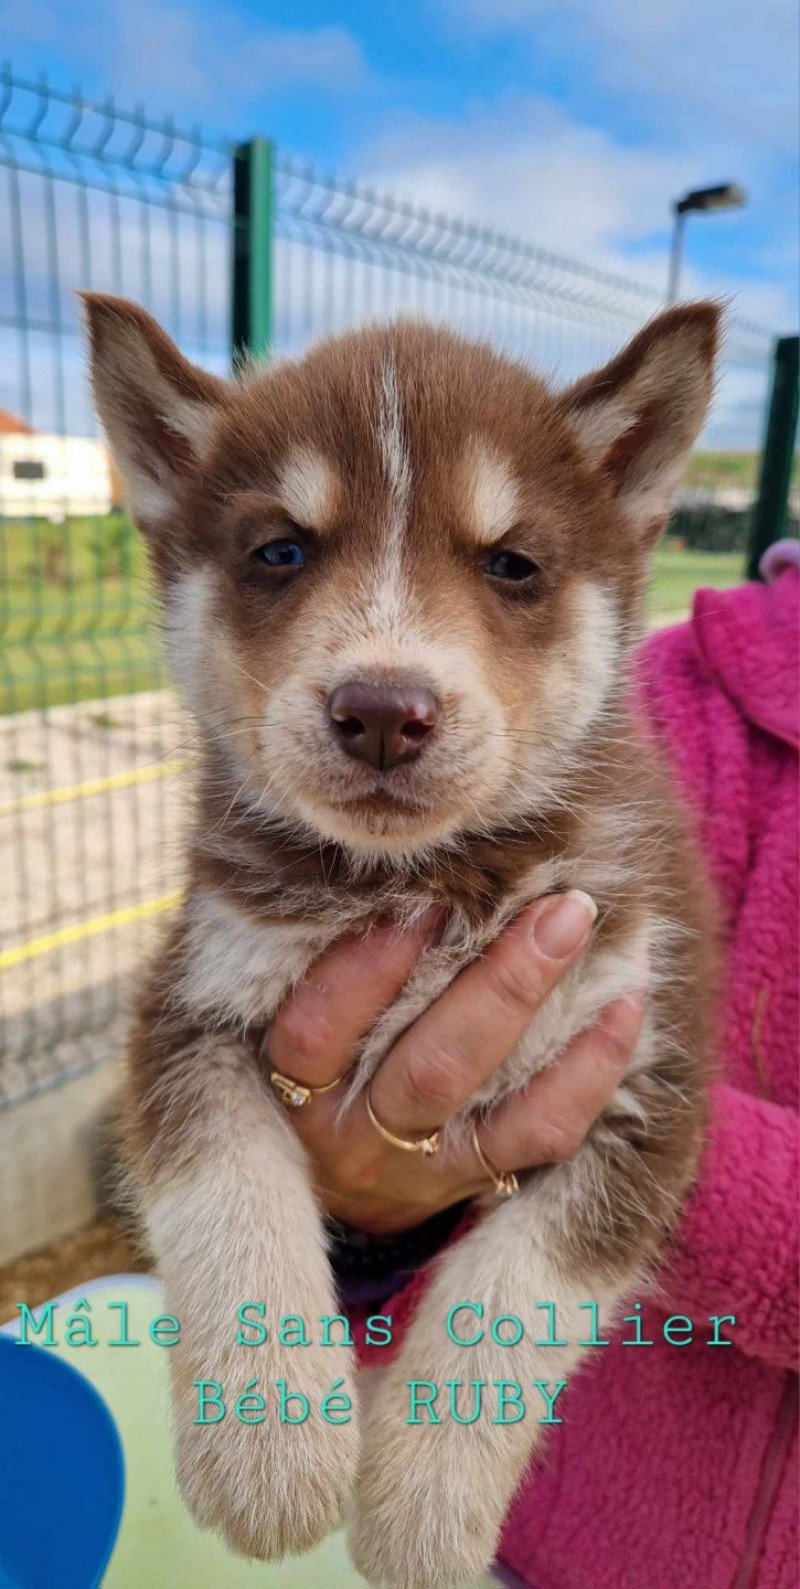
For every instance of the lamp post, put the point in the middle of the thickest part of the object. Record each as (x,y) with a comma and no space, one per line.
(727,196)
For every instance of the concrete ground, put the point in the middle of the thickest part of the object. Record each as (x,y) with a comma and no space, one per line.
(91,798)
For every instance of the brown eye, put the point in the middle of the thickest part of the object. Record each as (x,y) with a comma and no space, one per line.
(512,566)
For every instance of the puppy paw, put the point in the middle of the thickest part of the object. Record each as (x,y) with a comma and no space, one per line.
(430,1503)
(270,1489)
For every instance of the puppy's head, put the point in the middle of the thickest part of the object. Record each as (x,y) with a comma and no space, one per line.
(399,575)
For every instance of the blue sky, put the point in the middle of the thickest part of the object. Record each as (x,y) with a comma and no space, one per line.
(571,123)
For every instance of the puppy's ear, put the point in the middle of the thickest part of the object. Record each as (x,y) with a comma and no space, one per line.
(157,409)
(637,418)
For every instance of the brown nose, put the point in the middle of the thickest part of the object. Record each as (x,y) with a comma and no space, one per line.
(382,724)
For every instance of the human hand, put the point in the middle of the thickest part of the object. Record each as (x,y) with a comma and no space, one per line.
(439,1064)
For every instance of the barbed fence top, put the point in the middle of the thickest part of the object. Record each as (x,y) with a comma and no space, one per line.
(64,135)
(47,131)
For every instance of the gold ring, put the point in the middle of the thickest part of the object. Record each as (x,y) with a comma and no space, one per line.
(296,1094)
(505,1181)
(426,1145)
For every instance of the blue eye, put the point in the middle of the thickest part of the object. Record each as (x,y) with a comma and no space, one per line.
(511,566)
(281,554)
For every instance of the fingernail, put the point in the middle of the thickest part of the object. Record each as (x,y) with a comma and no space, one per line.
(563,923)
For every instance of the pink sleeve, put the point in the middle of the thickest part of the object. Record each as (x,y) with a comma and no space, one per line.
(736,1250)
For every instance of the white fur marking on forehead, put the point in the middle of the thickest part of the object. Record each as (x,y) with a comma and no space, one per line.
(387,601)
(307,485)
(394,451)
(492,494)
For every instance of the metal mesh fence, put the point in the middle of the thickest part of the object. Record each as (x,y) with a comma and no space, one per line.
(94,756)
(344,252)
(90,742)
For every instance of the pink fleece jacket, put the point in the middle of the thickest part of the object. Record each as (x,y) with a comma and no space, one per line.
(676,1466)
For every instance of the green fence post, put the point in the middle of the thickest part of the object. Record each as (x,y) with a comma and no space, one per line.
(775,477)
(251,317)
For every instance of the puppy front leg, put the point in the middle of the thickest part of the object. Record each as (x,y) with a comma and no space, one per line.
(231,1219)
(431,1497)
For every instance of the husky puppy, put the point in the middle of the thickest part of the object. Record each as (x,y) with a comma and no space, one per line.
(401,580)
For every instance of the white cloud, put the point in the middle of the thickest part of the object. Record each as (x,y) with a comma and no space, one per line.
(207,61)
(686,92)
(731,58)
(524,167)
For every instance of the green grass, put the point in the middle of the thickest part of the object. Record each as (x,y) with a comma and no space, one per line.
(677,575)
(76,609)
(75,613)
(721,469)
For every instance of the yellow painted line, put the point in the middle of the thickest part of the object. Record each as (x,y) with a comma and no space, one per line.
(87,929)
(95,786)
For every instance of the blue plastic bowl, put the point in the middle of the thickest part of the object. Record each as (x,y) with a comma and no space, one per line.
(62,1475)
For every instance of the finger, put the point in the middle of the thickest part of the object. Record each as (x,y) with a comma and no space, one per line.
(439,1064)
(547,1121)
(316,1030)
(544,1123)
(550,1118)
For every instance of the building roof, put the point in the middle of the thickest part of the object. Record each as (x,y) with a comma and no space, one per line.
(10,425)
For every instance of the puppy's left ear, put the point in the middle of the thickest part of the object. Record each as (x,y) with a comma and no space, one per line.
(158,410)
(637,418)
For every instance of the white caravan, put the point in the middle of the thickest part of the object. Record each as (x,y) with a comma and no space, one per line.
(53,477)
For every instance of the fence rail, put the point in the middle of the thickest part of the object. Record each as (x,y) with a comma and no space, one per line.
(341,245)
(230,246)
(353,219)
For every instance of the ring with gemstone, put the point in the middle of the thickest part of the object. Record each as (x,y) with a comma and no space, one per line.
(296,1094)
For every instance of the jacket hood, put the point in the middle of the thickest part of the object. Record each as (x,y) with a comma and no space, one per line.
(749,640)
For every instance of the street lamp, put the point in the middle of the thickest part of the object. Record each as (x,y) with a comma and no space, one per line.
(727,196)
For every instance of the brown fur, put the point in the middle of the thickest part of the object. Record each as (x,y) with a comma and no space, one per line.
(400,439)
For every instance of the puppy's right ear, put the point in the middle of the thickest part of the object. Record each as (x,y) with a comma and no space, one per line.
(157,409)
